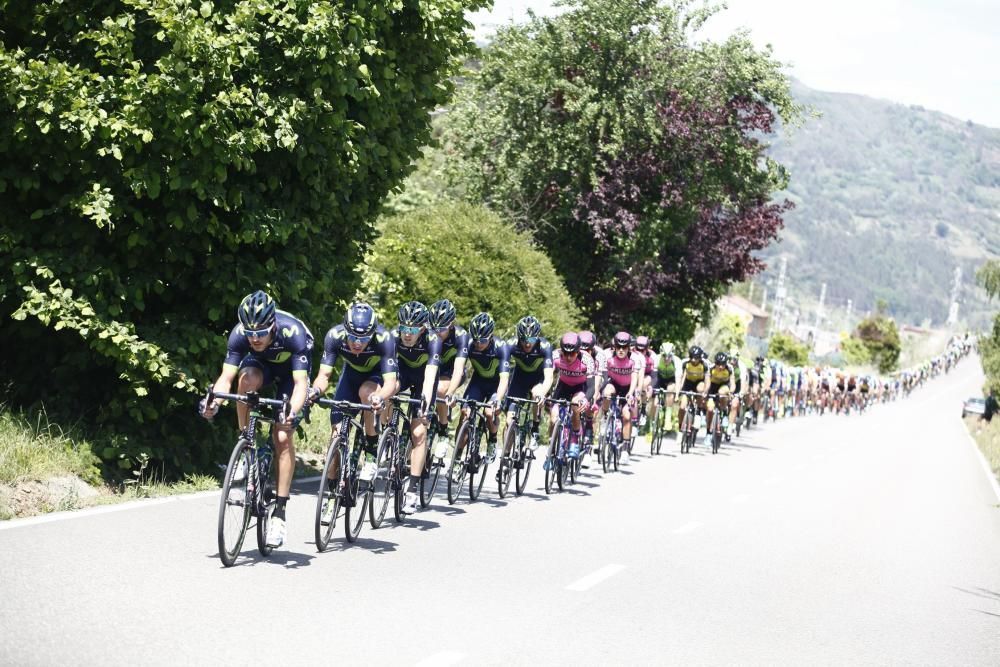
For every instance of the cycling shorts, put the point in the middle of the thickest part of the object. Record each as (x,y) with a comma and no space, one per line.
(349,389)
(279,375)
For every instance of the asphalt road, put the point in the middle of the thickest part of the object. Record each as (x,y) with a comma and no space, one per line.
(813,541)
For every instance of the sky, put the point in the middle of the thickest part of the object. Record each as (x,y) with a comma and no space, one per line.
(940,55)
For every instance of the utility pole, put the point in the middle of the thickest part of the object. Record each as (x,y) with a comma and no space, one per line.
(956,290)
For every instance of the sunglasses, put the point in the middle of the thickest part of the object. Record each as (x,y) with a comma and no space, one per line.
(438,330)
(257,333)
(483,341)
(565,351)
(413,331)
(640,348)
(530,340)
(621,346)
(358,339)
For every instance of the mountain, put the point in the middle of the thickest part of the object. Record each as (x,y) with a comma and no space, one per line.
(889,200)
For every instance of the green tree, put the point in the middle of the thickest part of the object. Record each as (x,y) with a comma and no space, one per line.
(854,351)
(728,332)
(788,349)
(988,277)
(161,158)
(469,255)
(880,336)
(632,152)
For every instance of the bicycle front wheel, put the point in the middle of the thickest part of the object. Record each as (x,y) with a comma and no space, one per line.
(382,484)
(459,464)
(234,507)
(327,500)
(400,461)
(524,467)
(480,466)
(432,472)
(354,517)
(506,458)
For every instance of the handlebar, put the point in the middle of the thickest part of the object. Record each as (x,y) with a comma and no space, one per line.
(342,405)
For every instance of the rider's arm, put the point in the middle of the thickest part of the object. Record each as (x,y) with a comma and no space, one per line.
(388,366)
(431,369)
(732,381)
(547,368)
(331,347)
(462,353)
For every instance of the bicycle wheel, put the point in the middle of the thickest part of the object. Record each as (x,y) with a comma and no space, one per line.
(479,465)
(459,464)
(399,477)
(507,455)
(525,458)
(382,484)
(264,505)
(354,517)
(334,461)
(234,506)
(716,435)
(606,438)
(431,475)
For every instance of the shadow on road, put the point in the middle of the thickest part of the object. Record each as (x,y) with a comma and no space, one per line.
(363,543)
(448,510)
(287,559)
(422,525)
(534,496)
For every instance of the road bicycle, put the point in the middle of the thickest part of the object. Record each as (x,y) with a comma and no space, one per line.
(517,455)
(558,465)
(248,487)
(470,456)
(392,462)
(689,420)
(341,487)
(611,435)
(662,423)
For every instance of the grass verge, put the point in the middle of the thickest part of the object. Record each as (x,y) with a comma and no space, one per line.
(987,436)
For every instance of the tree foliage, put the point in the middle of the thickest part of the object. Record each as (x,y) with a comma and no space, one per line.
(988,277)
(788,349)
(854,351)
(469,255)
(633,154)
(161,158)
(880,336)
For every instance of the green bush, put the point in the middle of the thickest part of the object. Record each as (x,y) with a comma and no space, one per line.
(854,351)
(880,336)
(162,159)
(788,349)
(469,255)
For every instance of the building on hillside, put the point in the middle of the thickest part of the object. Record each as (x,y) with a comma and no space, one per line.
(755,317)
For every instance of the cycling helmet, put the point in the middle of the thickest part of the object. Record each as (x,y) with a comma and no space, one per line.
(586,340)
(442,314)
(528,327)
(721,358)
(256,311)
(667,348)
(642,342)
(482,326)
(570,342)
(696,352)
(622,339)
(734,354)
(412,314)
(360,319)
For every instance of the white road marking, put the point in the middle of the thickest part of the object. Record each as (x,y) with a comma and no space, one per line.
(595,578)
(983,462)
(121,507)
(689,527)
(441,659)
(742,498)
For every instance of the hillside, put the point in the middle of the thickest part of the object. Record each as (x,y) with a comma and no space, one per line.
(890,199)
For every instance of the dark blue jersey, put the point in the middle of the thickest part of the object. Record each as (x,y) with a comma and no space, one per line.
(456,345)
(292,345)
(530,364)
(488,363)
(414,360)
(379,353)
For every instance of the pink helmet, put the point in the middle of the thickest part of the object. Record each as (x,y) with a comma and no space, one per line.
(570,342)
(622,339)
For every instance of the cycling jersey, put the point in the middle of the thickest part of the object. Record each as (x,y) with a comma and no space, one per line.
(620,370)
(693,371)
(573,376)
(667,367)
(455,346)
(648,361)
(531,363)
(488,366)
(291,346)
(379,352)
(413,361)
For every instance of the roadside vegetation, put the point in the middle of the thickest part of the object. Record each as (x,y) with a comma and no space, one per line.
(987,436)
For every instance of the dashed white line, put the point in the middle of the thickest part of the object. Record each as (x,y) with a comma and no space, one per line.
(595,578)
(441,659)
(689,527)
(740,499)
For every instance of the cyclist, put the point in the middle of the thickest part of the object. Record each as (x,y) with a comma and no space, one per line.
(647,377)
(418,355)
(489,359)
(269,347)
(736,400)
(691,378)
(624,370)
(531,362)
(368,375)
(666,376)
(588,344)
(574,370)
(721,383)
(454,352)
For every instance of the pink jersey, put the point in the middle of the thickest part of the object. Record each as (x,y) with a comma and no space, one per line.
(648,359)
(573,373)
(600,361)
(620,370)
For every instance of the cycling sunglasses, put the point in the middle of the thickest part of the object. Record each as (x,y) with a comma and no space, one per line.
(530,340)
(413,331)
(256,333)
(358,339)
(438,330)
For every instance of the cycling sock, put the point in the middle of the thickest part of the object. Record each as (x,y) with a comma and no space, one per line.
(370,443)
(442,428)
(412,485)
(534,427)
(279,507)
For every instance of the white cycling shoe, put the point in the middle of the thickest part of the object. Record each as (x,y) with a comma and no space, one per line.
(410,501)
(275,532)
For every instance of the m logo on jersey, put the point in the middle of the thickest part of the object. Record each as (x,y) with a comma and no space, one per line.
(288,332)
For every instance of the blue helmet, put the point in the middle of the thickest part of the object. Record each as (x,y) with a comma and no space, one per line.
(256,311)
(360,319)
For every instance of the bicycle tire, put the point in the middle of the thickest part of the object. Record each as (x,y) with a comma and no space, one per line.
(382,484)
(354,517)
(525,469)
(399,478)
(265,503)
(482,465)
(334,459)
(606,447)
(431,475)
(238,520)
(459,465)
(506,471)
